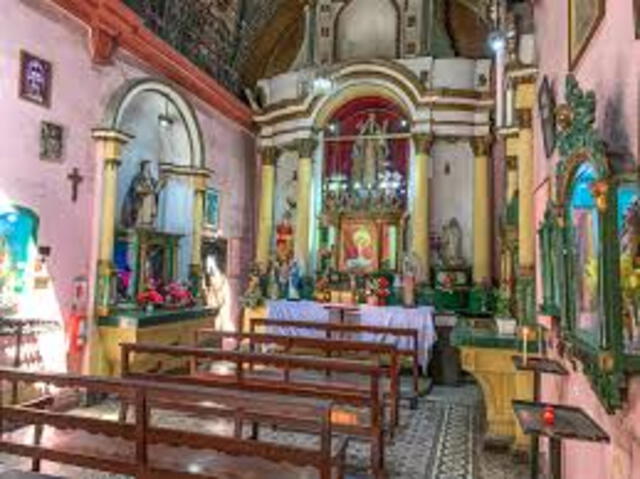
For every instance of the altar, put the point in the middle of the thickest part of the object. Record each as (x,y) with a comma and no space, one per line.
(420,318)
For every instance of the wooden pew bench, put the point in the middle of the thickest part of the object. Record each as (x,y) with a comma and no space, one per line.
(358,409)
(330,348)
(352,332)
(146,450)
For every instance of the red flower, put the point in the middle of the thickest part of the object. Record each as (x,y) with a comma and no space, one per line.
(383,282)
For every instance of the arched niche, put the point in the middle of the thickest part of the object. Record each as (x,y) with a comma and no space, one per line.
(166,134)
(368,29)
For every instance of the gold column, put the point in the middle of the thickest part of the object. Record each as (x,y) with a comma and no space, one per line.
(513,150)
(109,145)
(526,233)
(265,220)
(420,202)
(481,212)
(199,180)
(305,149)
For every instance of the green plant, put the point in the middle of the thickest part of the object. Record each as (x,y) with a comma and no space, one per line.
(502,304)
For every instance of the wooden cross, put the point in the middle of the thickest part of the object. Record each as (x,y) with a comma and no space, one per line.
(75,178)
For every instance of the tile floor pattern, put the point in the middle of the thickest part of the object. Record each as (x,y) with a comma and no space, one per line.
(439,440)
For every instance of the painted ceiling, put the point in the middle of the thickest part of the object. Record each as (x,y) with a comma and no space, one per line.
(241,41)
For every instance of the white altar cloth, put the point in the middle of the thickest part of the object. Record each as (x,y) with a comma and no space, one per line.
(420,318)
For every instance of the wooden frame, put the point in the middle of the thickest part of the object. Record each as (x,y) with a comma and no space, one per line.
(582,30)
(580,144)
(546,110)
(36,76)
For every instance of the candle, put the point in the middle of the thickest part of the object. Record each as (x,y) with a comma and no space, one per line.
(525,341)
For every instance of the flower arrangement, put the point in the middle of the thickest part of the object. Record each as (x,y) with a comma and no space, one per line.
(378,290)
(178,296)
(149,298)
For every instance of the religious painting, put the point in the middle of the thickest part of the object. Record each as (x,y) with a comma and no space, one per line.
(584,18)
(546,110)
(359,246)
(628,226)
(35,79)
(212,209)
(18,230)
(636,16)
(585,225)
(51,142)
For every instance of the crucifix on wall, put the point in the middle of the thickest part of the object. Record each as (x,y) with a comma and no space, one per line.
(75,178)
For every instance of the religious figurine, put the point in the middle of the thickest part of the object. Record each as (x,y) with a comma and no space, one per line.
(273,290)
(370,152)
(284,238)
(452,244)
(140,207)
(293,292)
(409,268)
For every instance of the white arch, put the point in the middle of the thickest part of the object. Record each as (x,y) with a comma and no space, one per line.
(131,88)
(353,89)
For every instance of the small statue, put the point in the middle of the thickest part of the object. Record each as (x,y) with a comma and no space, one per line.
(140,207)
(452,244)
(284,238)
(293,292)
(273,289)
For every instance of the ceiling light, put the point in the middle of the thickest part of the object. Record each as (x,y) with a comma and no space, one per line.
(497,41)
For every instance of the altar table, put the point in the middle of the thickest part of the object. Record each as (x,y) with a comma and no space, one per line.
(420,318)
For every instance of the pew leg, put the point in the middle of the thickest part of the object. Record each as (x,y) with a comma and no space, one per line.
(255,428)
(37,439)
(122,414)
(377,457)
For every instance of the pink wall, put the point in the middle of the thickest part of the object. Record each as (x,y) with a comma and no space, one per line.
(610,68)
(79,95)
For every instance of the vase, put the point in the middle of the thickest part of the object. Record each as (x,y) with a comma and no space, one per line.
(372,300)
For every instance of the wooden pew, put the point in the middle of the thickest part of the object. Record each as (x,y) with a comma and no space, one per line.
(332,330)
(329,348)
(367,421)
(148,451)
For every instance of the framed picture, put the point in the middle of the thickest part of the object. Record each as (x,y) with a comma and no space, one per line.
(212,209)
(51,142)
(584,18)
(636,17)
(35,79)
(359,250)
(546,109)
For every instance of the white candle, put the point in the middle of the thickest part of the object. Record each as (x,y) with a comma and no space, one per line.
(525,340)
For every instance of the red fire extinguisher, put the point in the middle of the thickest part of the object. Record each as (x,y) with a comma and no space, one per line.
(78,317)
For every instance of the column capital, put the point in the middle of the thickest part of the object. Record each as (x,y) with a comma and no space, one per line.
(110,143)
(524,118)
(422,142)
(480,145)
(306,147)
(269,155)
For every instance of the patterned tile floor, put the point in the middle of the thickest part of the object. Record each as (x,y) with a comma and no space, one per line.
(438,441)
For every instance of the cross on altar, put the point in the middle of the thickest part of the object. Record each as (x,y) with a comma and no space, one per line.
(75,178)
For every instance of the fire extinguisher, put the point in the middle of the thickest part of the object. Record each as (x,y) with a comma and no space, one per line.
(78,317)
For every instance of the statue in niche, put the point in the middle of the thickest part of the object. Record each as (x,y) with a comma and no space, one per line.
(284,239)
(370,152)
(140,207)
(452,244)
